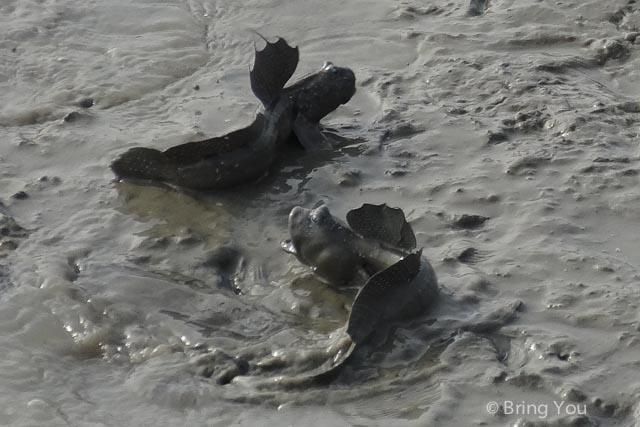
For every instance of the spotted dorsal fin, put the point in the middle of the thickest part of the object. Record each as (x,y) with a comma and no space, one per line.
(382,223)
(273,66)
(376,297)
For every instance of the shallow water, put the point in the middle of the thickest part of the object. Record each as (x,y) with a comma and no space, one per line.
(111,295)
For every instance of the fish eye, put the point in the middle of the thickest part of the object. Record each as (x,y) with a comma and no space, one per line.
(319,214)
(328,66)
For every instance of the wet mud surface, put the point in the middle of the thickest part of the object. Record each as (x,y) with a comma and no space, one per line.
(506,131)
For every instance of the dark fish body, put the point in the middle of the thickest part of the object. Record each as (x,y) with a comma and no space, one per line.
(251,152)
(246,154)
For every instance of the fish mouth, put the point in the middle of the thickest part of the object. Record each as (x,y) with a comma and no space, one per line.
(298,220)
(288,246)
(350,84)
(352,91)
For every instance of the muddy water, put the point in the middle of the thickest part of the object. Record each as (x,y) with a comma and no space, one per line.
(115,298)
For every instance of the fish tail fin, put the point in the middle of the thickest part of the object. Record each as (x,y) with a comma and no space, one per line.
(142,163)
(273,66)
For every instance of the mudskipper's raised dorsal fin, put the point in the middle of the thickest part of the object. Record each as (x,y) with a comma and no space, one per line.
(373,300)
(382,223)
(273,66)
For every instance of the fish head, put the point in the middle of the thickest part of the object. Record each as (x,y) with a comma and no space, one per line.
(324,91)
(320,241)
(309,229)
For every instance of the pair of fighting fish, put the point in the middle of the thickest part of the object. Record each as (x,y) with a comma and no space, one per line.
(376,249)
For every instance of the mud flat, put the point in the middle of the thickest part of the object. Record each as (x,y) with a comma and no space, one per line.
(506,131)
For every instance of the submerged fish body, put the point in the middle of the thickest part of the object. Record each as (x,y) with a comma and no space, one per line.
(248,153)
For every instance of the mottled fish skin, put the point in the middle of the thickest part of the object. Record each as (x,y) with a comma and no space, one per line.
(247,154)
(143,163)
(320,93)
(245,163)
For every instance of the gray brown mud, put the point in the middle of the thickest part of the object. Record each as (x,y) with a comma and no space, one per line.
(507,132)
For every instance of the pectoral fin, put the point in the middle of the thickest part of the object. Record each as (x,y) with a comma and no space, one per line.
(373,301)
(309,134)
(273,66)
(382,223)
